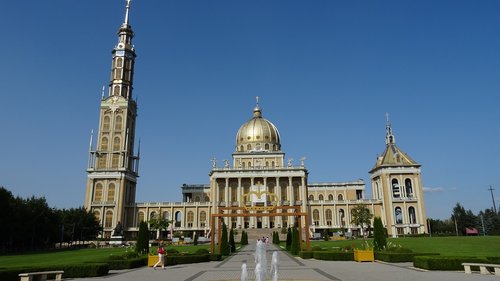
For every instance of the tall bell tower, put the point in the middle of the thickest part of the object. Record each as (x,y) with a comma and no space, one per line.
(112,165)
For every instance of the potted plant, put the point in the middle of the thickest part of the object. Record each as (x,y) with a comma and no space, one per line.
(364,253)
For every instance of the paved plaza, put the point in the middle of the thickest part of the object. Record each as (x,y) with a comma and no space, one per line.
(290,269)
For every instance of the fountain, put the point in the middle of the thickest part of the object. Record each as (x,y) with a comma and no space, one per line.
(274,266)
(244,272)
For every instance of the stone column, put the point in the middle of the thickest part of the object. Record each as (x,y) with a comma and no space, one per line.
(238,192)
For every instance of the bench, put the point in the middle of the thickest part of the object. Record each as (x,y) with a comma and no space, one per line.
(41,276)
(483,268)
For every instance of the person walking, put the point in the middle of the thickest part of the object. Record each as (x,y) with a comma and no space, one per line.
(161,257)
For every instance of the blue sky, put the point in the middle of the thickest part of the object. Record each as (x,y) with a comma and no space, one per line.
(326,72)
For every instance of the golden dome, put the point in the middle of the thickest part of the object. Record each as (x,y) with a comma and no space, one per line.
(258,135)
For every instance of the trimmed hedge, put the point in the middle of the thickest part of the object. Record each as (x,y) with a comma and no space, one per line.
(306,254)
(70,270)
(444,262)
(215,257)
(182,259)
(399,257)
(494,260)
(333,256)
(128,263)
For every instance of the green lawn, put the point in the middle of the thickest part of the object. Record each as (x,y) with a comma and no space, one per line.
(479,246)
(77,256)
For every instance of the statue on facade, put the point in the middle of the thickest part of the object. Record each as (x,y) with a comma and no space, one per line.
(226,164)
(118,231)
(214,163)
(290,162)
(302,161)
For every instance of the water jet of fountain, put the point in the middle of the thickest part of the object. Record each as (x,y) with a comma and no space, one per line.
(274,266)
(244,272)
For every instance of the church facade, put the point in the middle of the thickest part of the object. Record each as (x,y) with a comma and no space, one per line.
(258,176)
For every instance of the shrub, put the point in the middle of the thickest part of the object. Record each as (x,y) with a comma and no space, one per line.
(306,254)
(224,245)
(142,245)
(232,244)
(326,235)
(400,250)
(444,262)
(317,248)
(128,263)
(172,251)
(195,242)
(130,255)
(394,257)
(183,259)
(215,257)
(379,234)
(288,239)
(202,252)
(495,260)
(334,256)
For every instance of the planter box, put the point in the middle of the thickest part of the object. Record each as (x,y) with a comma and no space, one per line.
(364,255)
(152,260)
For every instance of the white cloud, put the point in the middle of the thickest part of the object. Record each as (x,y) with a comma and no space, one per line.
(432,189)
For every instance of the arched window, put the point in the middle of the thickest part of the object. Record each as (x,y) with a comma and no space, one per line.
(249,147)
(203,219)
(342,217)
(243,164)
(409,188)
(399,215)
(328,217)
(340,197)
(98,192)
(116,144)
(311,197)
(316,217)
(104,143)
(118,122)
(197,198)
(321,197)
(178,218)
(97,216)
(105,123)
(111,192)
(190,218)
(412,215)
(119,62)
(249,164)
(108,222)
(152,215)
(395,189)
(166,215)
(330,197)
(116,89)
(140,218)
(272,164)
(241,148)
(266,146)
(267,163)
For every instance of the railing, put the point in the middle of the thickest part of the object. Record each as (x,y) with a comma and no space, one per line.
(172,204)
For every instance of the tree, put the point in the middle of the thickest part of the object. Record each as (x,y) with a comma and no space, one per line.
(463,219)
(244,238)
(158,223)
(379,238)
(224,245)
(295,247)
(232,244)
(288,239)
(326,235)
(491,221)
(361,216)
(142,245)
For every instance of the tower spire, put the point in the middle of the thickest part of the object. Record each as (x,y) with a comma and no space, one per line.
(127,9)
(257,112)
(389,137)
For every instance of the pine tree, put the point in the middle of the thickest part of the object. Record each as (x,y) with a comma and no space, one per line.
(379,238)
(224,245)
(289,239)
(295,247)
(142,245)
(232,244)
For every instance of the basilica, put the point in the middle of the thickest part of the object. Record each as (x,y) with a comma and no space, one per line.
(258,186)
